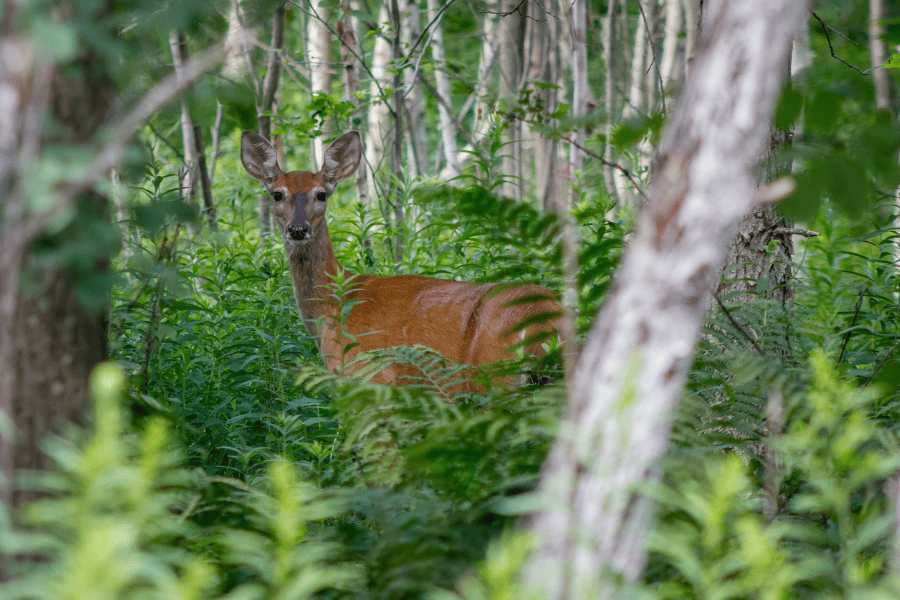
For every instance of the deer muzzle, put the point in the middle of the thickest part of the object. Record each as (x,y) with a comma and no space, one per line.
(299,229)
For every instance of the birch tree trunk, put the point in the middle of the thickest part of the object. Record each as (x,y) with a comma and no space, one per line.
(510,33)
(318,53)
(591,536)
(579,81)
(379,129)
(411,28)
(267,102)
(878,51)
(542,64)
(673,29)
(350,50)
(611,76)
(442,83)
(188,178)
(490,44)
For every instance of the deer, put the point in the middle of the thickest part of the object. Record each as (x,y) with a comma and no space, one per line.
(473,324)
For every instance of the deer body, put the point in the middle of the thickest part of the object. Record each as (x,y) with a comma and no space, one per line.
(467,323)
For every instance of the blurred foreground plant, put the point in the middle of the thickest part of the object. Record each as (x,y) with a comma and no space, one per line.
(113,521)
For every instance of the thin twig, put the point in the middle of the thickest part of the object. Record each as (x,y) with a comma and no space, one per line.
(428,28)
(113,152)
(825,28)
(514,10)
(881,364)
(446,104)
(613,165)
(738,327)
(852,323)
(795,231)
(662,91)
(312,12)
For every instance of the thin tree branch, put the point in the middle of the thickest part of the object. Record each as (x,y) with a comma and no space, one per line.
(738,326)
(852,324)
(613,165)
(662,91)
(825,28)
(113,152)
(312,12)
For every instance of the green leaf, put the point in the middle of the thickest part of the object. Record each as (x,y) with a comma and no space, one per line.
(822,113)
(788,108)
(892,63)
(847,185)
(561,111)
(804,203)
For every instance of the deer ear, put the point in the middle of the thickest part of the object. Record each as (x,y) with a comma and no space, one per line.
(342,158)
(258,157)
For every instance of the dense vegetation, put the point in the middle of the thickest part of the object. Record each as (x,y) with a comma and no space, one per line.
(222,461)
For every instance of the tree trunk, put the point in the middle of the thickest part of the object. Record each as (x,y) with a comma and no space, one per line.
(379,129)
(411,28)
(878,51)
(188,177)
(267,101)
(209,209)
(397,146)
(510,33)
(442,83)
(49,343)
(579,81)
(611,76)
(542,64)
(673,30)
(318,53)
(350,50)
(593,532)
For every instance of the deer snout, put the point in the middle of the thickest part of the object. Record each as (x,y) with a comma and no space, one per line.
(298,232)
(299,229)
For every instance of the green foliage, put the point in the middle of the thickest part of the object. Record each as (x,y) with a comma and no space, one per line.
(834,532)
(114,520)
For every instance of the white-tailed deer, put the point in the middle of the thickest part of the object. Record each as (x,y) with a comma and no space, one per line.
(467,323)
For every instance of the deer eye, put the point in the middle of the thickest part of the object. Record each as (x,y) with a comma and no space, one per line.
(321,197)
(277,196)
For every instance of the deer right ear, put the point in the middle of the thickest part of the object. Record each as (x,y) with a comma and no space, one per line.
(258,157)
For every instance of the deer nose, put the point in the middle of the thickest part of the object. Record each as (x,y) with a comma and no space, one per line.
(298,232)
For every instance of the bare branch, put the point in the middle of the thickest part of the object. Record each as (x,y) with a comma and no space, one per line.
(825,28)
(110,156)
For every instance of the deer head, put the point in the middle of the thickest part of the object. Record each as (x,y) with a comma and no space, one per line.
(300,197)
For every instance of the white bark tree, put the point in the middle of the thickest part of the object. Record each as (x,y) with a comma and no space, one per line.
(878,52)
(673,28)
(379,130)
(591,534)
(579,81)
(350,56)
(318,53)
(187,178)
(411,26)
(442,83)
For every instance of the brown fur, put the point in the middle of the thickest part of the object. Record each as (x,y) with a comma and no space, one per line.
(467,323)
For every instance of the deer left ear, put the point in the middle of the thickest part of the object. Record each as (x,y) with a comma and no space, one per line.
(258,157)
(342,158)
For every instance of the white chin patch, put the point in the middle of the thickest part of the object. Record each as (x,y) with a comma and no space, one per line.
(292,242)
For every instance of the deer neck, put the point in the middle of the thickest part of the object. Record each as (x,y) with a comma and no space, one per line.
(313,266)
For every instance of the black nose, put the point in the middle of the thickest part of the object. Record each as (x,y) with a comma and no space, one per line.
(299,233)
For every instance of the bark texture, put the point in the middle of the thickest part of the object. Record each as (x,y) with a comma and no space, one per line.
(48,343)
(266,102)
(442,84)
(878,52)
(592,533)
